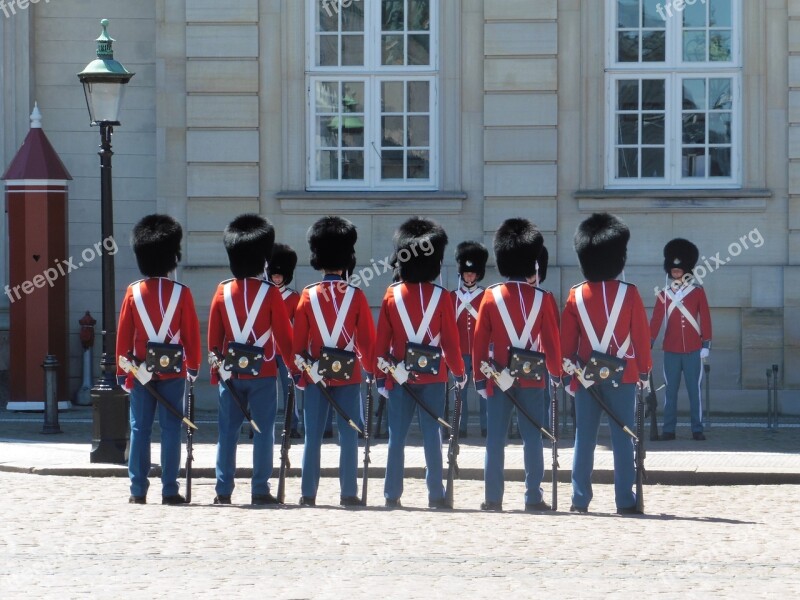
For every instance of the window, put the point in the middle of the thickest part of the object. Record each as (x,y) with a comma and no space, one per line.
(674,94)
(372,94)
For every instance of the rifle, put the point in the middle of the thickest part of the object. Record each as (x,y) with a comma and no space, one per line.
(367,427)
(379,416)
(640,453)
(143,376)
(286,442)
(491,373)
(303,365)
(388,367)
(652,410)
(554,428)
(189,442)
(453,448)
(225,377)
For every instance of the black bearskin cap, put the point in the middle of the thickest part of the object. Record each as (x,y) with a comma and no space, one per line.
(332,242)
(544,257)
(156,241)
(517,244)
(419,244)
(283,262)
(471,257)
(680,253)
(601,243)
(248,239)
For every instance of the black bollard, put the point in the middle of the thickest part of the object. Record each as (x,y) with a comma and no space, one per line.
(51,425)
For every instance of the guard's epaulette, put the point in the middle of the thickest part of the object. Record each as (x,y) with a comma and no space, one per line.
(292,290)
(441,287)
(224,281)
(396,283)
(311,285)
(577,285)
(544,291)
(133,283)
(494,285)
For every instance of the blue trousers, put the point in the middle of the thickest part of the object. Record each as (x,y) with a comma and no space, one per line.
(499,417)
(316,416)
(401,409)
(285,380)
(142,415)
(466,394)
(622,400)
(690,365)
(260,396)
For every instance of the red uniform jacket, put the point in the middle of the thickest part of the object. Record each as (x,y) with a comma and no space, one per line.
(183,329)
(392,336)
(632,321)
(272,314)
(290,299)
(467,304)
(518,297)
(680,335)
(358,331)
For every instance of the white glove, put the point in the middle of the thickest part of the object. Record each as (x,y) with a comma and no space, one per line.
(313,372)
(505,380)
(191,378)
(383,392)
(704,352)
(482,393)
(462,383)
(400,373)
(644,384)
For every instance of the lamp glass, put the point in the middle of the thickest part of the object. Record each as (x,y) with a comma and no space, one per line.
(104,100)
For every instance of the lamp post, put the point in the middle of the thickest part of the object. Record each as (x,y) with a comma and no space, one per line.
(104,82)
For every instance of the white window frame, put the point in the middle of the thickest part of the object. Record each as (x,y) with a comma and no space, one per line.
(673,70)
(372,73)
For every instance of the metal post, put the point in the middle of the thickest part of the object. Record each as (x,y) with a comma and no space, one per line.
(769,400)
(51,425)
(775,397)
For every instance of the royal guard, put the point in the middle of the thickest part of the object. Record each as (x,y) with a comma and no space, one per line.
(520,322)
(417,342)
(605,341)
(247,328)
(281,272)
(687,337)
(471,260)
(158,329)
(334,338)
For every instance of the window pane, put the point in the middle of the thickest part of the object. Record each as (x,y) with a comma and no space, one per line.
(328,132)
(694,128)
(327,165)
(719,128)
(352,16)
(694,94)
(652,162)
(353,132)
(628,94)
(720,159)
(353,96)
(328,50)
(627,162)
(328,17)
(418,96)
(653,94)
(418,131)
(392,17)
(720,94)
(419,164)
(628,129)
(650,14)
(694,46)
(353,165)
(694,15)
(419,52)
(720,13)
(652,129)
(628,46)
(654,46)
(392,131)
(694,162)
(392,164)
(719,49)
(327,97)
(627,14)
(392,50)
(352,50)
(392,96)
(419,15)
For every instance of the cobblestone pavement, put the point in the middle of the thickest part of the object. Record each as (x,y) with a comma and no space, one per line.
(69,537)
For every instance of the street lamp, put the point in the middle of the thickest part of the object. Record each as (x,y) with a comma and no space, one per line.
(103,82)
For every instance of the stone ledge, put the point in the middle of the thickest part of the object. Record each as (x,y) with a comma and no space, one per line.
(673,200)
(371,202)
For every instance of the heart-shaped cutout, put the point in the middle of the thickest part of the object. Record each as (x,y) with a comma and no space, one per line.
(36,257)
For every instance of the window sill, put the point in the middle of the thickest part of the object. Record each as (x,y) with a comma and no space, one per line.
(674,200)
(372,202)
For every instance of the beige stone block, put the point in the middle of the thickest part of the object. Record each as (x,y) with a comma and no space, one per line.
(541,211)
(514,38)
(791,287)
(222,76)
(519,9)
(762,328)
(794,106)
(794,175)
(794,8)
(241,11)
(794,71)
(520,179)
(726,325)
(767,290)
(213,214)
(523,110)
(794,248)
(725,374)
(513,145)
(222,111)
(520,74)
(728,287)
(794,145)
(794,35)
(791,326)
(205,249)
(212,181)
(222,146)
(221,41)
(791,377)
